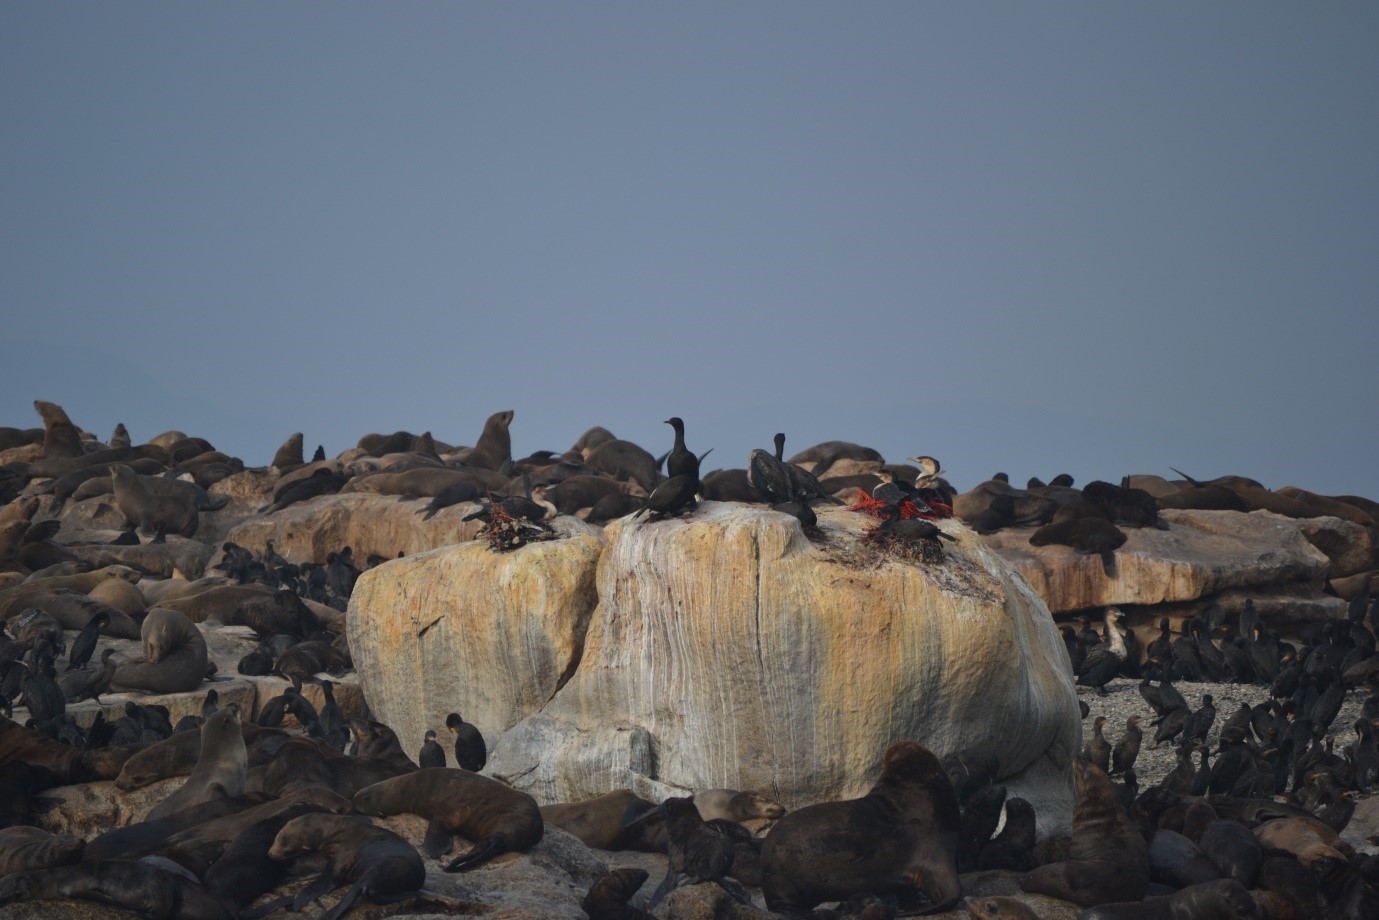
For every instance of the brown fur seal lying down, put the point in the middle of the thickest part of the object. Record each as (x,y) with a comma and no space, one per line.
(1109,859)
(25,849)
(137,887)
(833,850)
(498,818)
(383,866)
(605,822)
(174,655)
(1223,899)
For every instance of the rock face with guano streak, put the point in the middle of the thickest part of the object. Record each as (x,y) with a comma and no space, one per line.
(490,635)
(728,650)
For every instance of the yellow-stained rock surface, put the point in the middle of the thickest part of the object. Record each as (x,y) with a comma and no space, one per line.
(728,650)
(491,635)
(1202,553)
(381,525)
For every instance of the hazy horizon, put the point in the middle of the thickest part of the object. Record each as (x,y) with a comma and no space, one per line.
(1066,237)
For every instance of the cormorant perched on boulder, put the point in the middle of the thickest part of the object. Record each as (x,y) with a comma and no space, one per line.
(768,476)
(680,461)
(470,751)
(672,497)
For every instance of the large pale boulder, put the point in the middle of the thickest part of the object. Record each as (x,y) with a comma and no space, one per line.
(728,650)
(1201,554)
(372,525)
(491,635)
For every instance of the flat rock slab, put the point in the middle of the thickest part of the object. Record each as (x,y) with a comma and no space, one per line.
(371,525)
(1201,554)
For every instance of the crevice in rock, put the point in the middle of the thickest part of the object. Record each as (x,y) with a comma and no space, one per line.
(427,628)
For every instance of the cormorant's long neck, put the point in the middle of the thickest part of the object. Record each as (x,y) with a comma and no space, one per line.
(1114,638)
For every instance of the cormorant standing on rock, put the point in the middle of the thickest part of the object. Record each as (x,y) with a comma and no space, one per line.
(84,645)
(470,752)
(681,461)
(768,476)
(912,529)
(675,495)
(432,754)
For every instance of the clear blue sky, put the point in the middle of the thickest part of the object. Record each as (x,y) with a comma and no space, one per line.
(1090,237)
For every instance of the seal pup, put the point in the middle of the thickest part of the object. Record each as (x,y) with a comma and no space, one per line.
(829,851)
(219,771)
(498,818)
(699,852)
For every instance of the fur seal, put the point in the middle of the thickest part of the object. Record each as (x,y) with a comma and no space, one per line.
(137,887)
(244,870)
(494,447)
(1108,859)
(61,439)
(825,454)
(605,822)
(148,510)
(498,818)
(219,771)
(289,456)
(1221,899)
(732,805)
(24,849)
(624,460)
(174,655)
(383,866)
(830,851)
(999,908)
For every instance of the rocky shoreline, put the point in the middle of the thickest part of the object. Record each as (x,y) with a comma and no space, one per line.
(733,647)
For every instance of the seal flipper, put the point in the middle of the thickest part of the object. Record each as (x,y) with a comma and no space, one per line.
(1108,563)
(668,884)
(346,902)
(438,840)
(324,883)
(482,852)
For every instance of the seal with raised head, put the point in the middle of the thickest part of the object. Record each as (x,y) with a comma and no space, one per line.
(1108,858)
(148,510)
(497,817)
(219,771)
(494,447)
(174,655)
(900,838)
(60,437)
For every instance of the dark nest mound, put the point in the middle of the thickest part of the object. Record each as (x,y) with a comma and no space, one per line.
(505,532)
(909,549)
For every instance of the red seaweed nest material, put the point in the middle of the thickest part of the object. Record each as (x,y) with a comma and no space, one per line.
(505,532)
(868,505)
